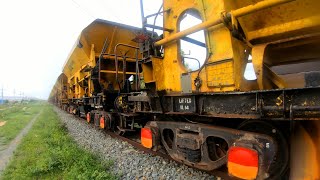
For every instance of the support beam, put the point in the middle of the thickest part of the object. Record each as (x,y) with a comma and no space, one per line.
(216,21)
(257,7)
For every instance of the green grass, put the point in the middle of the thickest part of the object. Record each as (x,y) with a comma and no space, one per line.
(16,117)
(47,152)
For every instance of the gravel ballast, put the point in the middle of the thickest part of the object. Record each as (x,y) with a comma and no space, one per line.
(129,163)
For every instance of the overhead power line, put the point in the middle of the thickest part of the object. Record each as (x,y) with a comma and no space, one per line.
(83,9)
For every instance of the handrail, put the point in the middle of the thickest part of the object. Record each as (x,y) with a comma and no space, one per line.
(104,48)
(116,60)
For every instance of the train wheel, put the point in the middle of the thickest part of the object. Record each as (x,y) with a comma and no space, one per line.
(280,164)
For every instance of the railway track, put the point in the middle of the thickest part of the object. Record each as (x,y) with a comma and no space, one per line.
(219,174)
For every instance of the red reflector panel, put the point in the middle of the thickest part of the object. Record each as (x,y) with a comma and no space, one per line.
(146,137)
(243,162)
(102,122)
(88,117)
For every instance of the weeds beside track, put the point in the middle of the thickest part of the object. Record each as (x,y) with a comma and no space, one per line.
(16,117)
(48,152)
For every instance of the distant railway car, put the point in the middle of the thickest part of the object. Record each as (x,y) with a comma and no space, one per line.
(59,92)
(103,58)
(227,85)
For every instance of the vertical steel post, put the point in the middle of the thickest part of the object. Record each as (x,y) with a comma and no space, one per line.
(142,13)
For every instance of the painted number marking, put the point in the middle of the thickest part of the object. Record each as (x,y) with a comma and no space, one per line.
(184,103)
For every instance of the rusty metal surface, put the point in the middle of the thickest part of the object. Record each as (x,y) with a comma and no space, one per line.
(289,104)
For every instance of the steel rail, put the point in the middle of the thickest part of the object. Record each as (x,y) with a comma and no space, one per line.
(218,173)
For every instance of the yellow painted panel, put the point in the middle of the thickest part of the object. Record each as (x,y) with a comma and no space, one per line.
(159,73)
(305,151)
(83,57)
(218,40)
(220,75)
(277,18)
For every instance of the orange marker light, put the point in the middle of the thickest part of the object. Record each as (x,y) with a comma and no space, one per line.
(243,162)
(102,122)
(88,117)
(146,137)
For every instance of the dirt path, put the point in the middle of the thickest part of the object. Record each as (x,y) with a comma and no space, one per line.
(6,108)
(7,153)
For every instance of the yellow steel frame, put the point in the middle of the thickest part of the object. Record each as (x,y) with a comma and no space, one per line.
(226,64)
(264,23)
(88,48)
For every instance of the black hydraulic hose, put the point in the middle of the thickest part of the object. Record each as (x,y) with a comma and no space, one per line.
(105,45)
(204,64)
(193,59)
(137,71)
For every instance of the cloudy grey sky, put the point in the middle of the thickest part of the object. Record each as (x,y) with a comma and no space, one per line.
(36,37)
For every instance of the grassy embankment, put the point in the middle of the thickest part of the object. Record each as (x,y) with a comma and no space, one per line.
(13,118)
(47,152)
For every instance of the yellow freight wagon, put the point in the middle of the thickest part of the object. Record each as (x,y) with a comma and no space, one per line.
(223,85)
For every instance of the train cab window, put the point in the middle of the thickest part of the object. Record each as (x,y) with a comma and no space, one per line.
(193,49)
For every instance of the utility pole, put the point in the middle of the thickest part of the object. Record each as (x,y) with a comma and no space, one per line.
(20,95)
(2,95)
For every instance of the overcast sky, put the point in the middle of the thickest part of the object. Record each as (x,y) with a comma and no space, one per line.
(36,37)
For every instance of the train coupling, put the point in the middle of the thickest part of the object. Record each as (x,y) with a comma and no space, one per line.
(247,155)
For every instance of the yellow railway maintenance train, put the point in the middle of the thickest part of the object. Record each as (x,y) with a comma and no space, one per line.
(186,86)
